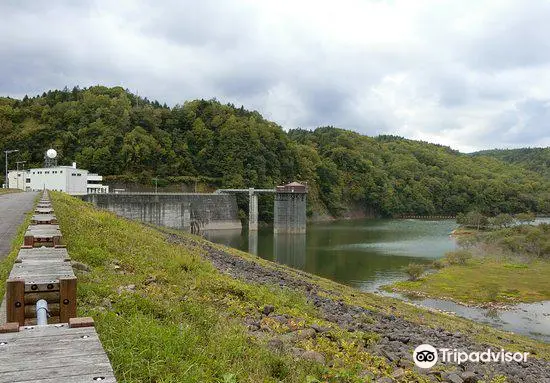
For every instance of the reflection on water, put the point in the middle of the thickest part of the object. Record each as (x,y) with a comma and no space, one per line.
(364,253)
(290,249)
(369,253)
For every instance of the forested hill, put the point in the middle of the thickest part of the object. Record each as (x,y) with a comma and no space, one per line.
(535,159)
(113,132)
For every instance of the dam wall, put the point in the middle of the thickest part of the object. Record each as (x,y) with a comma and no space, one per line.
(184,211)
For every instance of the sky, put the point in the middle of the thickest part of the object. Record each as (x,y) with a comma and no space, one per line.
(471,74)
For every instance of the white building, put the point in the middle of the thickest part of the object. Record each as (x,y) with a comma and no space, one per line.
(67,179)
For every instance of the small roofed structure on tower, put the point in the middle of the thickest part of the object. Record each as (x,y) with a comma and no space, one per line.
(68,179)
(293,187)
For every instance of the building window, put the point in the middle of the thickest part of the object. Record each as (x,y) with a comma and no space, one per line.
(33,172)
(73,174)
(47,172)
(61,172)
(28,180)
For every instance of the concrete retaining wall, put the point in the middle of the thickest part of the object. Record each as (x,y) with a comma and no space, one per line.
(183,211)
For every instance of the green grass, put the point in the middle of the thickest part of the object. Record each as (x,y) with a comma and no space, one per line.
(187,325)
(183,321)
(486,280)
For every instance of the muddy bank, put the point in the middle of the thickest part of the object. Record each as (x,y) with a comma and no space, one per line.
(398,337)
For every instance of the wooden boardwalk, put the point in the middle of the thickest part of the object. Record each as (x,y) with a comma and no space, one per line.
(67,348)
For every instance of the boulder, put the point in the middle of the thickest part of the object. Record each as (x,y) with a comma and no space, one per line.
(314,356)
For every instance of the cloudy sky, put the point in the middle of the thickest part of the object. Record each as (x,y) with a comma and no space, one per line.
(471,74)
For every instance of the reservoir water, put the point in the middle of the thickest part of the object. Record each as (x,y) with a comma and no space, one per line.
(367,254)
(361,253)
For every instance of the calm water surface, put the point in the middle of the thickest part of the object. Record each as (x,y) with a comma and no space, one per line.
(364,253)
(369,253)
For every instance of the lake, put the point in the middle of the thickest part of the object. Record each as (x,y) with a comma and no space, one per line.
(369,253)
(361,253)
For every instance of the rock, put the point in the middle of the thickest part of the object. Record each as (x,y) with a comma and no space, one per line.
(106,302)
(398,374)
(318,328)
(314,356)
(306,333)
(390,356)
(454,378)
(367,375)
(252,324)
(385,379)
(122,289)
(469,377)
(297,335)
(81,266)
(151,279)
(268,309)
(336,363)
(275,344)
(280,318)
(405,363)
(297,351)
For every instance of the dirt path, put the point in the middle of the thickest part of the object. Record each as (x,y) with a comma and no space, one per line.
(397,336)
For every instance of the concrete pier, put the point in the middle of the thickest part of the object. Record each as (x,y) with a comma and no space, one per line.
(252,210)
(290,208)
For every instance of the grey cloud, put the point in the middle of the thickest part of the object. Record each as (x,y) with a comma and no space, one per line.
(435,78)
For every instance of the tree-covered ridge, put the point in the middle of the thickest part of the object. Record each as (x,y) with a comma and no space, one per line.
(113,132)
(400,176)
(535,159)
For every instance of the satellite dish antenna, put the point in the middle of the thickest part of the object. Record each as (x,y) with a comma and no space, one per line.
(51,153)
(50,159)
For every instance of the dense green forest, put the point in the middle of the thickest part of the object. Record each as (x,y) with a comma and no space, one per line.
(535,159)
(114,132)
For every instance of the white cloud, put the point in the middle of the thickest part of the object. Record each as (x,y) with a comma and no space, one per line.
(470,74)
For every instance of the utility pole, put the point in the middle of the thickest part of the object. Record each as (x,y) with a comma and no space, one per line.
(18,175)
(156,184)
(8,152)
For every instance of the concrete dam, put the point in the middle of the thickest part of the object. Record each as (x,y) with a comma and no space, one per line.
(184,211)
(197,212)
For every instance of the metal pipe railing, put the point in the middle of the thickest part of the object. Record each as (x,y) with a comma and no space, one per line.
(41,312)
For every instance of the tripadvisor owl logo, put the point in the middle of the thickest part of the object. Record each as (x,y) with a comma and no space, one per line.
(425,356)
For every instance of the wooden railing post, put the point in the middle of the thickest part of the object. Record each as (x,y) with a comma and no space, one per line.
(15,301)
(67,299)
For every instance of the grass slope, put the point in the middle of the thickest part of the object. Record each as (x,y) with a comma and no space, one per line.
(164,314)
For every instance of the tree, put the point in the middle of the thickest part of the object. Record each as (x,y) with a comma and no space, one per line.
(525,218)
(502,220)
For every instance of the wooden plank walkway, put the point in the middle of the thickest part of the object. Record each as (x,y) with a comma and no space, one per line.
(53,353)
(67,349)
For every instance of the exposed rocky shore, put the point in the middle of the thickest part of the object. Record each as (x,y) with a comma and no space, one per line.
(397,337)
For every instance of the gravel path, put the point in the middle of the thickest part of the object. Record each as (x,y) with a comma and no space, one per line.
(398,336)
